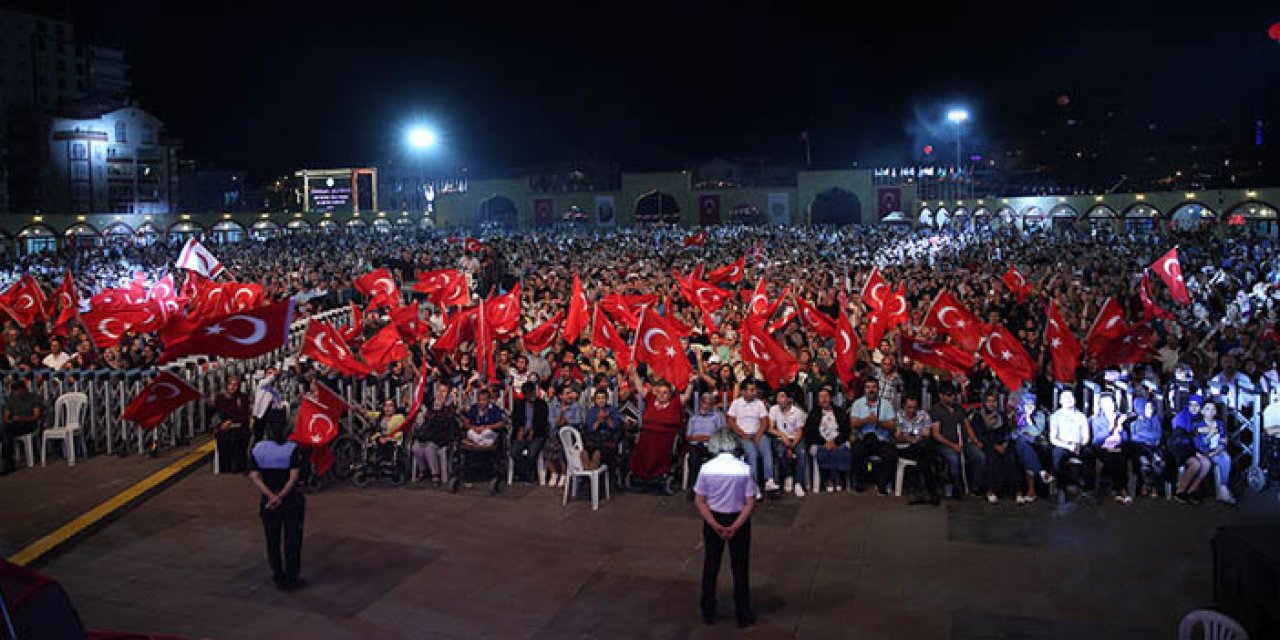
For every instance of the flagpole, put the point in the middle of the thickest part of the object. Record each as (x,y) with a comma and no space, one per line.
(635,337)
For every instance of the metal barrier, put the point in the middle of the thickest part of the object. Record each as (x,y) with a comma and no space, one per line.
(110,391)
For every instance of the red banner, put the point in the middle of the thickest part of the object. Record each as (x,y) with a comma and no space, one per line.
(888,200)
(709,210)
(544,212)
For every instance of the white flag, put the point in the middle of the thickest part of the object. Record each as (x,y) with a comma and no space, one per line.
(195,257)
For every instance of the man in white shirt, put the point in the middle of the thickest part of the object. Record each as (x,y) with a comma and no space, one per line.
(1070,437)
(726,496)
(786,425)
(749,418)
(58,357)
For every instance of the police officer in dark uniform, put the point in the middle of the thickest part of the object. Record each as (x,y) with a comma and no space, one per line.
(275,466)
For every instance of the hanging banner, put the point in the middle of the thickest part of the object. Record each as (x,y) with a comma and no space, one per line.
(709,210)
(605,211)
(779,208)
(888,200)
(543,212)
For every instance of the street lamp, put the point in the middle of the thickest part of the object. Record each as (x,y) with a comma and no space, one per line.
(958,118)
(421,138)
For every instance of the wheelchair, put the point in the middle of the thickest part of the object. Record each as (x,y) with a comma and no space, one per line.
(470,461)
(381,460)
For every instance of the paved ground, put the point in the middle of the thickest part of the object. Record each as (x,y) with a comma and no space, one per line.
(419,563)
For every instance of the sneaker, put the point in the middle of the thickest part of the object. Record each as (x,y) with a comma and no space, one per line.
(1020,500)
(1028,499)
(759,496)
(770,485)
(788,484)
(799,491)
(991,498)
(1224,495)
(1045,477)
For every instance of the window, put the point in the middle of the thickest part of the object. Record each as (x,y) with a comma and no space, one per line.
(120,132)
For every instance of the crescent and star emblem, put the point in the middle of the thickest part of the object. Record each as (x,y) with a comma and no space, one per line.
(259,330)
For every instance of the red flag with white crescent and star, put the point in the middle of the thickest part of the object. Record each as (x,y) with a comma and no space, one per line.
(1017,283)
(821,323)
(24,301)
(846,347)
(874,292)
(947,315)
(504,313)
(161,397)
(605,336)
(315,428)
(657,344)
(1064,348)
(379,287)
(107,327)
(730,273)
(696,240)
(1007,358)
(777,365)
(1169,268)
(325,345)
(541,337)
(385,347)
(1151,310)
(68,300)
(578,316)
(238,335)
(941,355)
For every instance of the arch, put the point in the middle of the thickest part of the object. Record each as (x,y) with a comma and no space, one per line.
(37,237)
(835,206)
(1101,212)
(960,218)
(1004,217)
(1140,217)
(981,212)
(228,231)
(82,230)
(383,225)
(941,217)
(357,226)
(297,225)
(328,225)
(1063,211)
(266,229)
(657,206)
(1260,217)
(926,217)
(499,211)
(426,222)
(1190,215)
(148,233)
(118,229)
(404,222)
(1253,209)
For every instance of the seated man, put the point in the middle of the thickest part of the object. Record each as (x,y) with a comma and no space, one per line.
(827,430)
(482,429)
(748,416)
(1069,435)
(913,435)
(954,441)
(600,432)
(21,416)
(873,419)
(786,424)
(531,421)
(704,422)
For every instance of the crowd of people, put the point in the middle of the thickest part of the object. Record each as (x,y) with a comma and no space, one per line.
(1167,419)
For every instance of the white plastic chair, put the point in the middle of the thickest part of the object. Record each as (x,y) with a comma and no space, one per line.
(573,449)
(68,419)
(903,463)
(25,444)
(1214,625)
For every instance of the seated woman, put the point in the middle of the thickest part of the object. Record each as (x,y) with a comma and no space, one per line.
(991,426)
(1030,438)
(1110,444)
(1211,445)
(387,423)
(432,434)
(827,431)
(1145,435)
(663,416)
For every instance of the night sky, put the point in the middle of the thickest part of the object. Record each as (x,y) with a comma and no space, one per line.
(269,87)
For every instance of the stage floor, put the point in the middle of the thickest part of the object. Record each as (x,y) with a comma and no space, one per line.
(417,562)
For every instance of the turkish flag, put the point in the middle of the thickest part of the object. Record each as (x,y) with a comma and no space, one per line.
(384,348)
(107,327)
(1131,346)
(1169,268)
(239,335)
(1150,310)
(379,287)
(460,328)
(163,289)
(625,309)
(888,200)
(787,316)
(821,323)
(156,316)
(192,286)
(658,345)
(161,397)
(941,355)
(325,345)
(777,365)
(68,299)
(1017,283)
(434,281)
(24,301)
(1109,323)
(408,320)
(356,329)
(315,428)
(846,347)
(696,240)
(578,316)
(419,392)
(473,245)
(484,345)
(451,288)
(875,290)
(1007,358)
(541,337)
(730,273)
(116,299)
(504,313)
(757,300)
(947,315)
(1064,348)
(605,336)
(240,296)
(894,312)
(703,295)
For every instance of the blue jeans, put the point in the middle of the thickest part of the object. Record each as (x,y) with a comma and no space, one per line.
(798,466)
(1222,467)
(975,467)
(762,452)
(1029,456)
